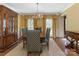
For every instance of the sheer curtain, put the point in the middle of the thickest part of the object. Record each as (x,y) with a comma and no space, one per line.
(49,23)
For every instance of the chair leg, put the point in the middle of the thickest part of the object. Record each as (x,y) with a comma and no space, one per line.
(23,44)
(33,53)
(48,46)
(28,53)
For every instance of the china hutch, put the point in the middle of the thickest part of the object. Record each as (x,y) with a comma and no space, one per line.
(8,28)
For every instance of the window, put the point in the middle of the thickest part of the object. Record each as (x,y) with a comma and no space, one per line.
(49,25)
(30,24)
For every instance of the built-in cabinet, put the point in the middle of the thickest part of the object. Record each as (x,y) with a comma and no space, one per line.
(8,28)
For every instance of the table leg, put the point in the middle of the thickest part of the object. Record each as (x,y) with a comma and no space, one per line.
(77,46)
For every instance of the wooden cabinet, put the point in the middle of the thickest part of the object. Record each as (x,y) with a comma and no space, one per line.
(8,28)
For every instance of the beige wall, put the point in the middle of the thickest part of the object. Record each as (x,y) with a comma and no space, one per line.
(60,27)
(72,21)
(22,21)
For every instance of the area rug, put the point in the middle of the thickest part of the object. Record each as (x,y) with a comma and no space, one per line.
(54,50)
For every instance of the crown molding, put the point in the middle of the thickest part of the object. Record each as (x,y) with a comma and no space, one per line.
(8,7)
(67,9)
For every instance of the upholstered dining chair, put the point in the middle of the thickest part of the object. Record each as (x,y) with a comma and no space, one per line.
(47,36)
(24,37)
(24,30)
(33,42)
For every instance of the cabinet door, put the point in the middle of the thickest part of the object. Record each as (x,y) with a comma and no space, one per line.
(4,23)
(15,24)
(10,39)
(1,43)
(0,24)
(11,24)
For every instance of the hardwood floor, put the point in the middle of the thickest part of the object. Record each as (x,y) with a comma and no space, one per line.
(60,42)
(54,50)
(68,51)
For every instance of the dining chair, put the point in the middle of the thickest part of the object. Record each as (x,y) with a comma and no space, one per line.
(47,36)
(24,37)
(33,42)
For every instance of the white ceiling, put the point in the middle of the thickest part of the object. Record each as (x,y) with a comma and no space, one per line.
(42,7)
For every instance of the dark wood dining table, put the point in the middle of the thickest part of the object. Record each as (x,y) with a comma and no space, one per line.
(75,36)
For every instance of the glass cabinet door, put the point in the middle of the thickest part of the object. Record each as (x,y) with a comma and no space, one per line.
(4,24)
(15,24)
(11,24)
(0,24)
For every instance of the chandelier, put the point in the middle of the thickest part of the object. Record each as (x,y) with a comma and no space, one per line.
(38,15)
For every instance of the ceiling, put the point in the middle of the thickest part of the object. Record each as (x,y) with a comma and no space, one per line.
(27,8)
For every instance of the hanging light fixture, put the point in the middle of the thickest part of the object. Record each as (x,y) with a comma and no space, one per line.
(38,14)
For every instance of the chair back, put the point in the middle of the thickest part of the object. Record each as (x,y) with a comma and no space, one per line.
(24,30)
(47,34)
(33,40)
